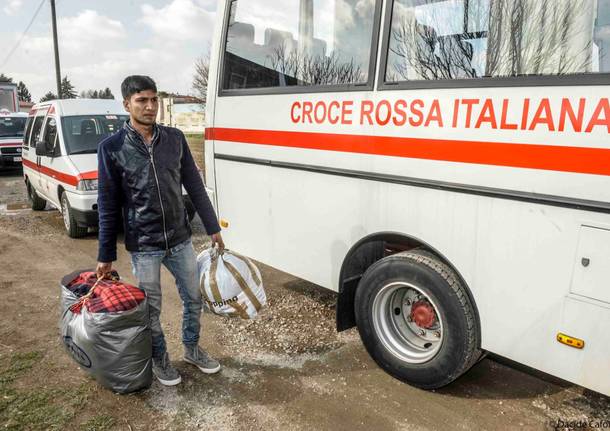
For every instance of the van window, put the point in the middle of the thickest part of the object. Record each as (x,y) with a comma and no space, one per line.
(28,130)
(36,128)
(288,43)
(461,39)
(83,133)
(12,127)
(50,136)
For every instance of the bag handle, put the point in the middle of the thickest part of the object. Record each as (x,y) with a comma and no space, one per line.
(215,253)
(77,306)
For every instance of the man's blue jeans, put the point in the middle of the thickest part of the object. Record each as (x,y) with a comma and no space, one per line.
(181,262)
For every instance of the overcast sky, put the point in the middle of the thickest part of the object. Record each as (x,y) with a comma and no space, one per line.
(101,42)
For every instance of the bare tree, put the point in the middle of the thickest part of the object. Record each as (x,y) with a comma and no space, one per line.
(200,79)
(307,69)
(524,37)
(419,51)
(539,37)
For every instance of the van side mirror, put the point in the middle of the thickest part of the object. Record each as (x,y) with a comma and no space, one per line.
(41,148)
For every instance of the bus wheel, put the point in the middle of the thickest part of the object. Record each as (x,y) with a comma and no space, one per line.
(416,319)
(72,227)
(36,202)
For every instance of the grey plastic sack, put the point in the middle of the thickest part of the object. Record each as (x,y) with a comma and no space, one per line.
(113,347)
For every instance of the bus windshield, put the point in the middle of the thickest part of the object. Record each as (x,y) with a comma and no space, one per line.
(83,133)
(12,127)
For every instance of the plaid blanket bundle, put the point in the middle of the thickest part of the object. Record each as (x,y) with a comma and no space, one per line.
(108,296)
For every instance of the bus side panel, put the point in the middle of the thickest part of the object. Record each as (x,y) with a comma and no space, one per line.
(213,85)
(516,257)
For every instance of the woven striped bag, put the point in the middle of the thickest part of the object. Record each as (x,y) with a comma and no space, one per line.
(231,285)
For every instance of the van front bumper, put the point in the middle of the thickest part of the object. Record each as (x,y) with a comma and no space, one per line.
(85,218)
(9,160)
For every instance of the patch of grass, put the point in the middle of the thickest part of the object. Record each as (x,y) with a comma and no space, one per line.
(18,364)
(99,423)
(32,410)
(196,144)
(35,408)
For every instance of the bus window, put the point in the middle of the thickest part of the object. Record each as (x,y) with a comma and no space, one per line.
(461,39)
(601,41)
(274,43)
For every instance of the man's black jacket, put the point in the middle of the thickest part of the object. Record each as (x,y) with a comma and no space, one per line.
(145,183)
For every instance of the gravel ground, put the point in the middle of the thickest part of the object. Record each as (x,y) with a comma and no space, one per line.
(288,369)
(291,324)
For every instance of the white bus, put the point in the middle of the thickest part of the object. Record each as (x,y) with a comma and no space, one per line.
(443,165)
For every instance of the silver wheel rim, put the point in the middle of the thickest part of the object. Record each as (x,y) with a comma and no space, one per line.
(64,211)
(393,311)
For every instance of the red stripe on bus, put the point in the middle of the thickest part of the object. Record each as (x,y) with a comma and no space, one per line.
(11,144)
(60,176)
(545,157)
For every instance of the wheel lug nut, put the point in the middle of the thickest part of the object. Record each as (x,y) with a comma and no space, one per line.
(408,302)
(437,334)
(422,332)
(409,319)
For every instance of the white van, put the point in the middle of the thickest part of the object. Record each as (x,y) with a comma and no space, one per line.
(60,156)
(12,126)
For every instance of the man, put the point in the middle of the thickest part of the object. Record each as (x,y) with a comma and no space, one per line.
(141,171)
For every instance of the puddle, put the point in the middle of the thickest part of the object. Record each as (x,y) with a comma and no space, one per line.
(17,206)
(14,208)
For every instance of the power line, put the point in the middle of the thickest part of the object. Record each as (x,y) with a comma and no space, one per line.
(12,51)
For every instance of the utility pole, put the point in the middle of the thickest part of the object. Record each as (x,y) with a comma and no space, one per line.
(56,46)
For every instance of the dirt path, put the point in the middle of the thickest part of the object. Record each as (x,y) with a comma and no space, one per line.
(289,370)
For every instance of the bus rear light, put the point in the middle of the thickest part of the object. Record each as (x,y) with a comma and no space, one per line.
(577,343)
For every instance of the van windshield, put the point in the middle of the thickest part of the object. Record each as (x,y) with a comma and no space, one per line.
(12,127)
(83,133)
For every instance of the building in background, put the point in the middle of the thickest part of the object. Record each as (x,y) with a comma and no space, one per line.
(186,113)
(25,106)
(8,96)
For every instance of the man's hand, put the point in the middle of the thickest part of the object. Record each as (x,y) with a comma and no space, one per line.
(103,268)
(217,240)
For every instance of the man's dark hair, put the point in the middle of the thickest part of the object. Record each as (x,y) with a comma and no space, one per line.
(135,83)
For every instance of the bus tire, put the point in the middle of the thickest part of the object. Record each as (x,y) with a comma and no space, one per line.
(72,228)
(36,202)
(416,319)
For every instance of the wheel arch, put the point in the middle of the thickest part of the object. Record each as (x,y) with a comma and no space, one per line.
(60,191)
(369,250)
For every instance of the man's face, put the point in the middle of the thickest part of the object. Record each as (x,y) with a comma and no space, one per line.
(143,107)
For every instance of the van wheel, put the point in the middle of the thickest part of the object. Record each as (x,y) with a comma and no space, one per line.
(416,319)
(36,202)
(72,227)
